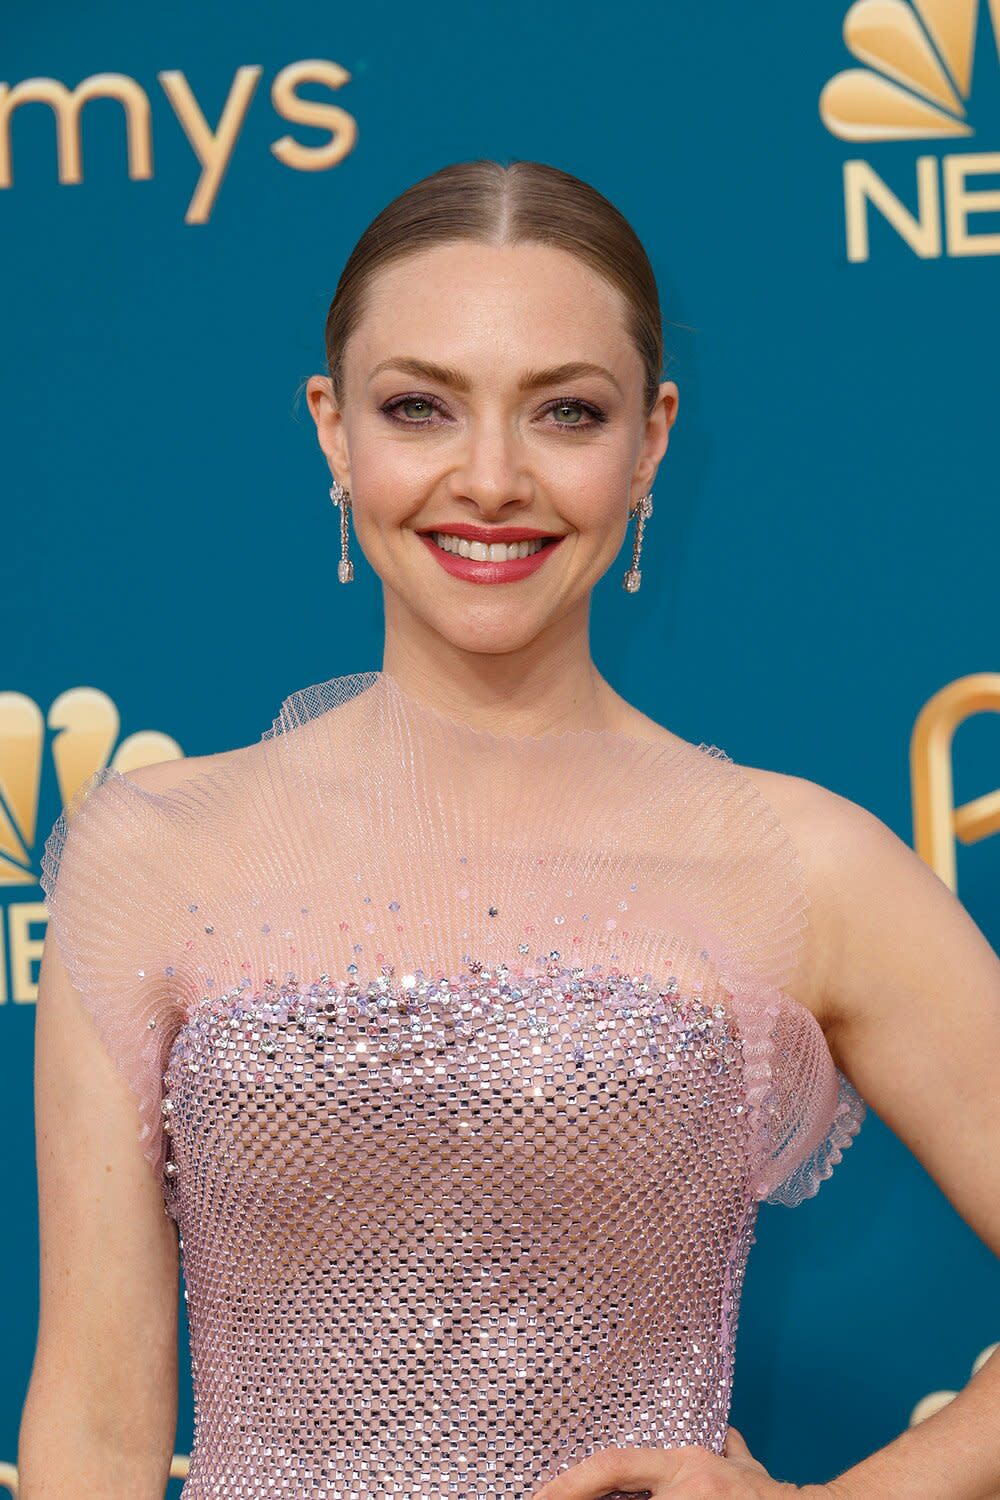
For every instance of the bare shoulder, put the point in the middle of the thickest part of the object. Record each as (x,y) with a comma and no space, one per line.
(166,775)
(837,841)
(848,856)
(870,894)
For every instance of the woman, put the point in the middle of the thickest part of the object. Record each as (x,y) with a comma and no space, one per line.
(470,1014)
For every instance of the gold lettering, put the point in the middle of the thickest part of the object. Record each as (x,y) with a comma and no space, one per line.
(343,127)
(863,185)
(25,950)
(960,201)
(66,104)
(214,150)
(937,822)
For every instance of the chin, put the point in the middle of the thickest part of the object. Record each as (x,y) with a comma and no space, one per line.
(498,641)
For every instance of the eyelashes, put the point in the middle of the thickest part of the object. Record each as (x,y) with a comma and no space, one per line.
(596,415)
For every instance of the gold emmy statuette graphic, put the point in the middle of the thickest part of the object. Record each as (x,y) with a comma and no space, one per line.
(937,822)
(914,85)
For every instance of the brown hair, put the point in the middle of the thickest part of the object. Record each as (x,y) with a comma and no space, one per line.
(504,205)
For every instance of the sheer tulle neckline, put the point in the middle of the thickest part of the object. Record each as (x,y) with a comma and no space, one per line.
(319,699)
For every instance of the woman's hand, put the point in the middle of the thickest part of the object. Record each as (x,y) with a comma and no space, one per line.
(687,1473)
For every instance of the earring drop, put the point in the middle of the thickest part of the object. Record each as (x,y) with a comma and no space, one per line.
(641,512)
(342,498)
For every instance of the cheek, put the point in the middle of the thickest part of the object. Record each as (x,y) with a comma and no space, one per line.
(587,483)
(393,481)
(592,493)
(387,462)
(384,461)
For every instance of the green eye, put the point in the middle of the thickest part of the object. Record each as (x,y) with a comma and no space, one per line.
(391,408)
(593,414)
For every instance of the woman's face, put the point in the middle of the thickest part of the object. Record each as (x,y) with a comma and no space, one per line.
(471,442)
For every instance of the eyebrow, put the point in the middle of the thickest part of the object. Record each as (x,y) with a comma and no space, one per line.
(531,380)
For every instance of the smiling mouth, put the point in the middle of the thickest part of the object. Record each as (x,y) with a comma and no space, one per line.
(479,551)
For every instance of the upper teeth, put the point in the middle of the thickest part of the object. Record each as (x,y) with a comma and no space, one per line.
(487,551)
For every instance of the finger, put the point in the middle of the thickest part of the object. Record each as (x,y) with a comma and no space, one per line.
(616,1469)
(735,1448)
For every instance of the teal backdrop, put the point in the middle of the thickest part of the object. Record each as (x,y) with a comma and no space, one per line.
(822,560)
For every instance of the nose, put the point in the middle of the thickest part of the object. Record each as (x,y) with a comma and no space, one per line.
(492,471)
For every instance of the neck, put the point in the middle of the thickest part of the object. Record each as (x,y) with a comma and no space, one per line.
(528,691)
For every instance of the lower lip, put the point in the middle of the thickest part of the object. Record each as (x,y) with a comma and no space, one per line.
(474,571)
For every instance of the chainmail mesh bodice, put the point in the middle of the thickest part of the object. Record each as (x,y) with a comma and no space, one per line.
(464,1062)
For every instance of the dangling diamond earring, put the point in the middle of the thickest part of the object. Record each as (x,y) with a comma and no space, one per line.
(342,498)
(642,511)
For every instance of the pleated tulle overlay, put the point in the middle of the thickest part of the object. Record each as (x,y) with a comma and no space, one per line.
(465,1061)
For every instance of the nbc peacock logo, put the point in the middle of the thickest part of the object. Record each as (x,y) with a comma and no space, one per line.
(78,736)
(915,85)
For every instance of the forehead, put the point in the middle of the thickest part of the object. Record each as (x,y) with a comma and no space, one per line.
(533,303)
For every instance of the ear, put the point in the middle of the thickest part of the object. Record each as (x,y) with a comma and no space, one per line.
(656,438)
(329,426)
(670,400)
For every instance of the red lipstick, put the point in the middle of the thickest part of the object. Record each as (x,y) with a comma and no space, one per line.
(473,571)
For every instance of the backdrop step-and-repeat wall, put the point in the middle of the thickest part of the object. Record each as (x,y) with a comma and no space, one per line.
(818,188)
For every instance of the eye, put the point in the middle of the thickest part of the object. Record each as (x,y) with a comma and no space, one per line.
(427,402)
(566,403)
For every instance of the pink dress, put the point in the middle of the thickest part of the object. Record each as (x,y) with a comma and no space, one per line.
(464,1063)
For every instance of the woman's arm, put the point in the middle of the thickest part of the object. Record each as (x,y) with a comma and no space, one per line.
(909,996)
(100,1412)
